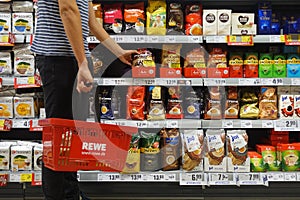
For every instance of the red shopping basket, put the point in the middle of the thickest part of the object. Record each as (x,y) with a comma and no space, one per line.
(71,145)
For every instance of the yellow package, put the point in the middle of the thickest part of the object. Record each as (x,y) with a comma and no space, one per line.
(156,18)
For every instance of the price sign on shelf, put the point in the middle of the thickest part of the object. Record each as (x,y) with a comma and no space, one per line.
(290,176)
(292,39)
(286,125)
(157,177)
(192,179)
(275,176)
(144,82)
(172,124)
(215,81)
(244,40)
(272,81)
(246,124)
(36,178)
(109,177)
(132,177)
(249,81)
(221,179)
(249,179)
(227,123)
(3,179)
(267,124)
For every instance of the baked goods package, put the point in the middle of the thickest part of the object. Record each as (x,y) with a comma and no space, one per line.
(193,19)
(268,103)
(150,151)
(170,149)
(214,159)
(113,18)
(155,103)
(133,160)
(156,17)
(135,102)
(174,103)
(237,151)
(134,18)
(175,18)
(192,150)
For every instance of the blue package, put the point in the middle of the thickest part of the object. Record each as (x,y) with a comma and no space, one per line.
(292,23)
(264,18)
(275,25)
(293,65)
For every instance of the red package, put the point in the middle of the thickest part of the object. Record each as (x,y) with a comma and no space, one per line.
(193,19)
(113,18)
(135,103)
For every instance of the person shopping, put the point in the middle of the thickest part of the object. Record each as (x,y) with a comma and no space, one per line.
(64,62)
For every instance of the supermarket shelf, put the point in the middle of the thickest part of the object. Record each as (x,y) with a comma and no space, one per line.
(256,39)
(251,81)
(237,123)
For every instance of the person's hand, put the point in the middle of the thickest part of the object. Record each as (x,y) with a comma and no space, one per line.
(126,56)
(84,78)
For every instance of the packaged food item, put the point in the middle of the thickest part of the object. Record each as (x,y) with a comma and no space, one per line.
(265,66)
(264,18)
(174,103)
(293,65)
(195,64)
(236,64)
(297,106)
(5,63)
(135,102)
(251,65)
(4,156)
(224,22)
(98,13)
(249,103)
(256,162)
(5,7)
(269,157)
(210,22)
(175,18)
(231,109)
(286,106)
(156,17)
(214,157)
(150,151)
(6,107)
(243,24)
(24,107)
(22,23)
(113,18)
(279,66)
(143,64)
(155,102)
(37,157)
(105,103)
(24,61)
(191,105)
(134,18)
(193,150)
(213,109)
(170,149)
(217,64)
(268,103)
(290,154)
(133,160)
(22,6)
(21,158)
(237,151)
(5,22)
(171,66)
(193,19)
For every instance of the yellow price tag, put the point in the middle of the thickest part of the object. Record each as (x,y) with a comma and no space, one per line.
(282,38)
(5,38)
(245,38)
(31,80)
(2,123)
(26,178)
(232,38)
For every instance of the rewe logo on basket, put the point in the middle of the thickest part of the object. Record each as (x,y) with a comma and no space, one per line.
(89,146)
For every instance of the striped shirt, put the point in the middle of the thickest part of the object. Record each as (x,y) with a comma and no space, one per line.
(50,38)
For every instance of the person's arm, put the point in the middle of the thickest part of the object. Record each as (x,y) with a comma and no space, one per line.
(71,19)
(99,32)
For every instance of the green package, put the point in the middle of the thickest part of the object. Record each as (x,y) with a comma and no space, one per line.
(265,67)
(279,67)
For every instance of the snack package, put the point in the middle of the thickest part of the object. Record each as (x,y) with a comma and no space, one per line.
(268,103)
(133,161)
(134,18)
(113,18)
(193,150)
(150,151)
(135,102)
(215,153)
(174,103)
(193,19)
(175,18)
(155,102)
(256,162)
(170,149)
(237,151)
(156,17)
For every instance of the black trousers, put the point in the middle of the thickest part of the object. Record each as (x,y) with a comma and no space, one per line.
(58,75)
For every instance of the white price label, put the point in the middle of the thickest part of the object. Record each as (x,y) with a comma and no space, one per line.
(290,177)
(20,123)
(195,39)
(109,177)
(92,39)
(249,81)
(246,124)
(172,124)
(154,39)
(267,124)
(219,177)
(14,177)
(155,124)
(171,39)
(249,179)
(295,81)
(157,177)
(275,176)
(291,123)
(272,81)
(275,38)
(170,177)
(108,81)
(142,124)
(227,124)
(286,125)
(138,39)
(191,179)
(132,177)
(149,82)
(298,176)
(118,38)
(168,82)
(215,82)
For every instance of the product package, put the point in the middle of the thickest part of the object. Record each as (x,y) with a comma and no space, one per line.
(175,19)
(135,102)
(256,162)
(174,103)
(155,103)
(22,23)
(286,106)
(193,19)
(236,63)
(224,21)
(269,157)
(24,107)
(210,22)
(6,107)
(264,18)
(251,63)
(133,160)
(279,66)
(156,17)
(171,66)
(134,18)
(21,158)
(243,24)
(143,65)
(194,63)
(113,18)
(268,103)
(265,66)
(293,66)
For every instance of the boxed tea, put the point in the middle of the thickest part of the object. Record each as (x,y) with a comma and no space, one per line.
(224,22)
(279,67)
(210,22)
(265,65)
